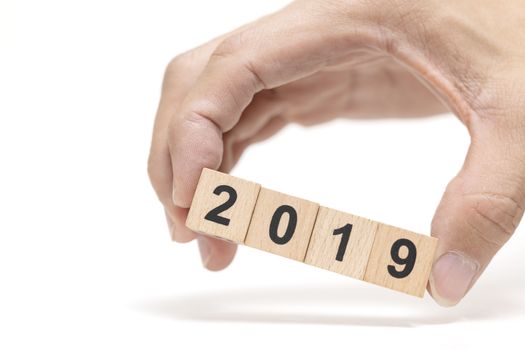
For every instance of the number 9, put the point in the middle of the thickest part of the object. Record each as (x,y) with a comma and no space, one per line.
(409,261)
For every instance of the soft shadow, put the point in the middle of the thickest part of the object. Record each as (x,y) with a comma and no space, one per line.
(354,303)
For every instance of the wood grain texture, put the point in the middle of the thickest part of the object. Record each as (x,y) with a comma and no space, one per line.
(238,215)
(299,229)
(381,257)
(324,245)
(268,203)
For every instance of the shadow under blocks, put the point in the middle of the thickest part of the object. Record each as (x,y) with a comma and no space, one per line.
(243,212)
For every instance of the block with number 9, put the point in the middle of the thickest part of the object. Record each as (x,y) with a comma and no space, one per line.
(401,260)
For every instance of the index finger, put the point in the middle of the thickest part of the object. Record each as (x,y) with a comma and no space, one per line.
(289,45)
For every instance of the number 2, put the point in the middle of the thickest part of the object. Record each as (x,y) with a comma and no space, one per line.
(409,261)
(213,215)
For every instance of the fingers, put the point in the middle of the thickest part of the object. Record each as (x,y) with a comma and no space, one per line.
(216,254)
(272,127)
(159,161)
(263,108)
(180,75)
(179,232)
(480,210)
(259,57)
(391,90)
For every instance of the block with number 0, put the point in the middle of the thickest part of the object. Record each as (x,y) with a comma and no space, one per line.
(241,211)
(282,224)
(222,206)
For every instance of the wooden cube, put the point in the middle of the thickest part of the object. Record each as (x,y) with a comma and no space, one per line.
(282,224)
(401,260)
(222,206)
(341,242)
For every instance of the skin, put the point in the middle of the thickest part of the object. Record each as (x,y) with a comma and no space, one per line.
(316,60)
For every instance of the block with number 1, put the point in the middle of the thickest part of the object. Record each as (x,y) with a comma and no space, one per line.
(341,242)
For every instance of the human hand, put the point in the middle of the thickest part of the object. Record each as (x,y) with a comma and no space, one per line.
(319,59)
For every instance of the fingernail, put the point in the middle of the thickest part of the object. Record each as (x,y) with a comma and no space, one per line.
(173,196)
(170,224)
(205,250)
(452,276)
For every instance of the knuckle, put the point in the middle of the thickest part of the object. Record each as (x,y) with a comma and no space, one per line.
(299,119)
(234,48)
(492,217)
(178,65)
(501,101)
(203,139)
(229,46)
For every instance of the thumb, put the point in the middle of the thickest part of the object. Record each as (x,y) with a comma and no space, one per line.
(479,212)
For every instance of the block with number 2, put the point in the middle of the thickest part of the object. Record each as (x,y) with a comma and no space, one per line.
(242,212)
(222,206)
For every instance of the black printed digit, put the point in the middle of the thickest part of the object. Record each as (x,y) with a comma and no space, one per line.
(290,228)
(213,215)
(345,232)
(408,261)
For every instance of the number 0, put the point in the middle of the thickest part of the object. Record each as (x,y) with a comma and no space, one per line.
(290,228)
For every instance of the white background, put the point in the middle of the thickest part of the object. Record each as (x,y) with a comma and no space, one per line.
(85,257)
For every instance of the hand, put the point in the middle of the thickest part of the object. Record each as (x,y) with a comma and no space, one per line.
(319,59)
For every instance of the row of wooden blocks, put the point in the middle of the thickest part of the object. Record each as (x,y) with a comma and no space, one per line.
(246,213)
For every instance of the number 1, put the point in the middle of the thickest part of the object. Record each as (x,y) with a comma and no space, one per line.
(345,232)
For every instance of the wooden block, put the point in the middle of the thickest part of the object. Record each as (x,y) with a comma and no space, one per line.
(341,242)
(241,211)
(222,206)
(282,224)
(401,260)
